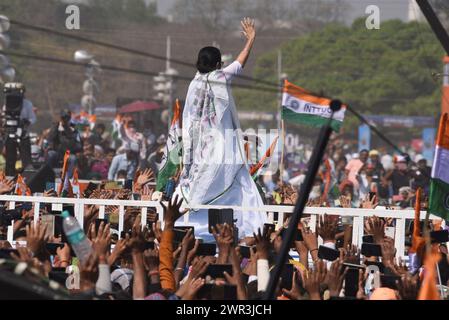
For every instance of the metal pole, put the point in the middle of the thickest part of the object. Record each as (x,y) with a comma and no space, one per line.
(435,23)
(312,170)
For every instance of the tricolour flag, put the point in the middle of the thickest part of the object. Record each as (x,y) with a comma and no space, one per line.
(439,183)
(301,106)
(172,153)
(265,159)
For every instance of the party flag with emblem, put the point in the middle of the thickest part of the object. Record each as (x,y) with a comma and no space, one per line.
(172,153)
(303,107)
(439,183)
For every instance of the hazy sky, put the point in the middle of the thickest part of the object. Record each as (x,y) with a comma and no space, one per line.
(390,9)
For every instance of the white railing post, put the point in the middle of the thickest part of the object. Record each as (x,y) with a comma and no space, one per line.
(357,231)
(101,212)
(143,217)
(121,220)
(399,237)
(36,212)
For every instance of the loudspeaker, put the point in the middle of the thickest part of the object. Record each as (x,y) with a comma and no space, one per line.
(36,180)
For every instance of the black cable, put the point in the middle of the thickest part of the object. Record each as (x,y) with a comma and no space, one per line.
(128,50)
(118,69)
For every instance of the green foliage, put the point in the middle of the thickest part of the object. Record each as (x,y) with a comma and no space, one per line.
(386,71)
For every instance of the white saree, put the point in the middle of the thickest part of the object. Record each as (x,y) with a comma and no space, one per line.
(215,170)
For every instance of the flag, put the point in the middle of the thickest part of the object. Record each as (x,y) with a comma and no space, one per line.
(172,153)
(75,184)
(21,187)
(266,157)
(63,185)
(301,106)
(428,290)
(417,240)
(439,182)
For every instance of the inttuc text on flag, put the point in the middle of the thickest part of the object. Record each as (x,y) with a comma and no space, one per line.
(301,106)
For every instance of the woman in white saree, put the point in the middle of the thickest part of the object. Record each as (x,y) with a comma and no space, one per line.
(215,170)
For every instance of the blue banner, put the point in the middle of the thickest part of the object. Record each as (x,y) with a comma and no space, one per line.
(428,138)
(364,137)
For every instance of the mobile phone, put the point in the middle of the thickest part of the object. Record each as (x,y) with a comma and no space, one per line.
(137,196)
(210,291)
(27,206)
(368,239)
(217,270)
(439,236)
(328,254)
(50,186)
(220,216)
(129,184)
(380,265)
(48,221)
(5,253)
(52,247)
(206,249)
(389,281)
(58,276)
(351,282)
(98,222)
(245,251)
(352,265)
(371,250)
(186,228)
(179,235)
(149,245)
(89,189)
(287,276)
(268,226)
(69,208)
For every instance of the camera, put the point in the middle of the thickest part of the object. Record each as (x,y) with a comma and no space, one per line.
(14,95)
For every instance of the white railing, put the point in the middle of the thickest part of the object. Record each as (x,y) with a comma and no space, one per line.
(358,215)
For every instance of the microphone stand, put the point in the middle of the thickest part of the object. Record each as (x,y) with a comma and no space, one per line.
(314,165)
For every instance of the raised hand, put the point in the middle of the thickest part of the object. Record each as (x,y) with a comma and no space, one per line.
(101,243)
(7,186)
(248,28)
(368,203)
(36,239)
(388,252)
(314,278)
(64,255)
(138,236)
(263,243)
(327,228)
(172,212)
(236,278)
(89,272)
(145,177)
(335,278)
(375,227)
(295,292)
(224,238)
(119,249)
(408,287)
(345,202)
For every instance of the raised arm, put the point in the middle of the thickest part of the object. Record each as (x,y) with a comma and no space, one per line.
(249,31)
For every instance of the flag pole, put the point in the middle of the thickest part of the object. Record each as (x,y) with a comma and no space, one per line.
(314,164)
(282,151)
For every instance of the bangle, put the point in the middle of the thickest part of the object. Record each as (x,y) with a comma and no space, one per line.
(313,250)
(179,269)
(154,273)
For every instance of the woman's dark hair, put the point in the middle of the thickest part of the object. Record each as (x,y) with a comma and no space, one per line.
(208,59)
